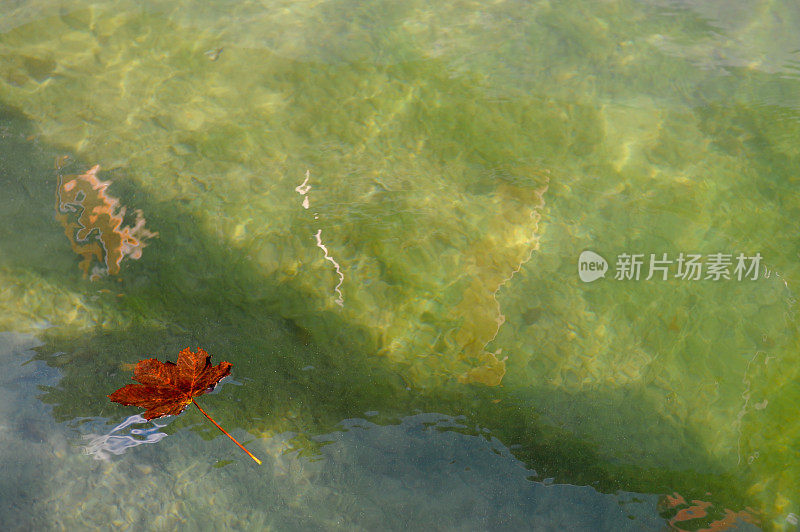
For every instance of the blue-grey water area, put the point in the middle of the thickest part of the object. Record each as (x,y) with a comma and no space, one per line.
(376,211)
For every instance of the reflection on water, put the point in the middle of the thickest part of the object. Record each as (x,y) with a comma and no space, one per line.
(103,446)
(93,220)
(703,514)
(303,189)
(424,472)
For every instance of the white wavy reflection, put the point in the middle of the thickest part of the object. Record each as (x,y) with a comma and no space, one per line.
(303,189)
(103,446)
(340,299)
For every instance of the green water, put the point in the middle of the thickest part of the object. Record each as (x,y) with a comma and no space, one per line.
(460,157)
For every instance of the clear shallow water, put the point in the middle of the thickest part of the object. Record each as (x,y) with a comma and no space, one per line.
(422,471)
(459,158)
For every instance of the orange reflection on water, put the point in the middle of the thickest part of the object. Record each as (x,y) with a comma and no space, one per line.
(92,221)
(684,518)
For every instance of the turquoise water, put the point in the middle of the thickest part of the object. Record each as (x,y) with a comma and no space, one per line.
(375,212)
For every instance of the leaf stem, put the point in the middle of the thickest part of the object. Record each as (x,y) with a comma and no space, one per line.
(226,434)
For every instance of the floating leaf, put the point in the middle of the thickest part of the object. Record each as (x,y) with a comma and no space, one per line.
(167,388)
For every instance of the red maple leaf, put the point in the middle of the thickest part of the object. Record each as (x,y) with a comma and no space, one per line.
(167,388)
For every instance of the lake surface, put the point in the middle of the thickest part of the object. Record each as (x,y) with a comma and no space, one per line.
(508,265)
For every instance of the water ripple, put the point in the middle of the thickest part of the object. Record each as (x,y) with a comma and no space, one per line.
(103,445)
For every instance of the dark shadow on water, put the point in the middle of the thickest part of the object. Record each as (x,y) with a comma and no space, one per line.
(190,289)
